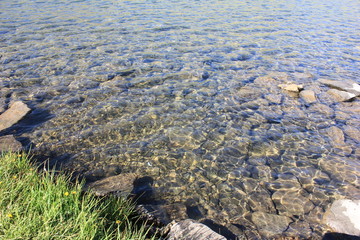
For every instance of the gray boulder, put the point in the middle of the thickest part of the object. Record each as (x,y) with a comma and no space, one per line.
(347,86)
(13,115)
(344,216)
(9,143)
(189,230)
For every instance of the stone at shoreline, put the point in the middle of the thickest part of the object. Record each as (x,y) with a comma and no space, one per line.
(270,224)
(340,96)
(308,96)
(347,86)
(344,216)
(9,143)
(13,115)
(189,230)
(122,184)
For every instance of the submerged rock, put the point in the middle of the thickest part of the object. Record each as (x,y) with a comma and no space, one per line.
(340,96)
(122,183)
(308,96)
(13,115)
(9,143)
(344,216)
(189,229)
(270,224)
(291,203)
(347,86)
(336,135)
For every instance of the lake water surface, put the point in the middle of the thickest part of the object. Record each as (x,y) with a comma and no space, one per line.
(186,93)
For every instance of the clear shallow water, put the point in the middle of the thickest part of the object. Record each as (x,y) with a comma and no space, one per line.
(170,90)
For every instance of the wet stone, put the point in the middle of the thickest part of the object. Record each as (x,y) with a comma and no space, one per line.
(352,132)
(299,229)
(9,143)
(344,216)
(270,225)
(274,98)
(189,229)
(322,109)
(348,86)
(291,203)
(308,96)
(13,115)
(249,93)
(261,172)
(336,135)
(261,201)
(256,161)
(340,96)
(266,81)
(122,184)
(181,137)
(2,105)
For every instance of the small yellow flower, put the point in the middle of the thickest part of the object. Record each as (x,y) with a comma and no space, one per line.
(14,177)
(117,221)
(73,192)
(19,155)
(9,215)
(0,182)
(66,193)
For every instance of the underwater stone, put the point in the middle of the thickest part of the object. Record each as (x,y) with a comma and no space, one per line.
(9,143)
(13,115)
(348,86)
(270,224)
(340,96)
(260,200)
(308,96)
(291,203)
(123,183)
(352,132)
(336,135)
(265,81)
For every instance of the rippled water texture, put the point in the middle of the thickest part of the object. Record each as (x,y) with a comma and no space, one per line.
(186,92)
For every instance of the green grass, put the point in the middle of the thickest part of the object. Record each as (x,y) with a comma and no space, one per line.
(43,205)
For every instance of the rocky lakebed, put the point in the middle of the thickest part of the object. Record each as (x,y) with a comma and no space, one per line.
(228,119)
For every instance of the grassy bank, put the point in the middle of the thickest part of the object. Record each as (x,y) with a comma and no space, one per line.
(40,205)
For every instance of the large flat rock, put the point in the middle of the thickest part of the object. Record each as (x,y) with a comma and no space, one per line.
(13,115)
(344,216)
(347,86)
(190,230)
(9,143)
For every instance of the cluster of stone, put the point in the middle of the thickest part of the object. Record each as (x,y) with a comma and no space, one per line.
(341,91)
